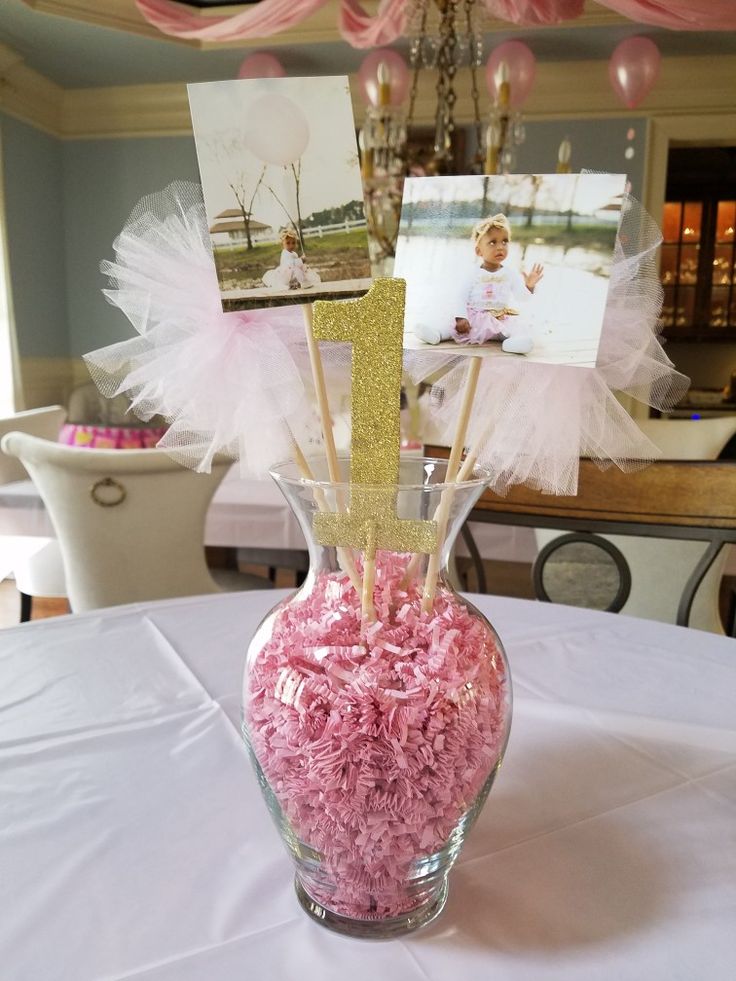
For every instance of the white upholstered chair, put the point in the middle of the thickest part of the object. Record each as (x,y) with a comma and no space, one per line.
(35,561)
(130,522)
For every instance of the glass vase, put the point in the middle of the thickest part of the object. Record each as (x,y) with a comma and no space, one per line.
(376,735)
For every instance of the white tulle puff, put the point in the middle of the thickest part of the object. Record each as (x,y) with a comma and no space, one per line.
(226,382)
(532,422)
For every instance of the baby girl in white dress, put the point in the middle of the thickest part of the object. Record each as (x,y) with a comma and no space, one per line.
(292,272)
(494,298)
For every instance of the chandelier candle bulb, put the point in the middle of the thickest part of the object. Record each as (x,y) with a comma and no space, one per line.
(493,143)
(503,85)
(366,157)
(563,157)
(384,84)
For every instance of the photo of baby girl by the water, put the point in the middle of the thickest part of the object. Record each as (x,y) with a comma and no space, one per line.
(282,190)
(512,265)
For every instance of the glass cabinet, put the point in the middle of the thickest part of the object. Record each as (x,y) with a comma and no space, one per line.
(698,256)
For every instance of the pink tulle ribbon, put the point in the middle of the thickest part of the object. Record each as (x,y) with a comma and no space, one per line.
(363,31)
(225,382)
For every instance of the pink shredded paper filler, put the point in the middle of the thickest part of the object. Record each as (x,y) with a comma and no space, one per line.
(376,744)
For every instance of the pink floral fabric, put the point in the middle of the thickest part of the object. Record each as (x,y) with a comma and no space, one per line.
(111,437)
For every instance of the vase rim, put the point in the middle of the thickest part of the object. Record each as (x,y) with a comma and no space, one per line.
(288,473)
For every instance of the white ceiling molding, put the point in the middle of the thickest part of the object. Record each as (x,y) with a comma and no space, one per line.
(27,95)
(691,84)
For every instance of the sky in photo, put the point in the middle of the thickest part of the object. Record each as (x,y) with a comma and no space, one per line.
(592,191)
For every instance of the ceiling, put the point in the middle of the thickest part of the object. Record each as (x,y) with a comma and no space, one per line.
(75,54)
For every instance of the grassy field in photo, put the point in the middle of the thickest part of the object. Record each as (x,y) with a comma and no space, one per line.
(336,255)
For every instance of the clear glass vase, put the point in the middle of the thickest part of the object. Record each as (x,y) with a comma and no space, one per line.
(376,737)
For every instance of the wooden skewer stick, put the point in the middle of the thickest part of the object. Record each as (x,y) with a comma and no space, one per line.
(318,375)
(453,468)
(472,456)
(343,555)
(452,473)
(368,609)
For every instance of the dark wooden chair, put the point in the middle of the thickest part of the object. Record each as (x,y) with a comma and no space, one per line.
(685,500)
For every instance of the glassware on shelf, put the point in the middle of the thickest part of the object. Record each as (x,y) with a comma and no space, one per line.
(726,221)
(692,216)
(672,221)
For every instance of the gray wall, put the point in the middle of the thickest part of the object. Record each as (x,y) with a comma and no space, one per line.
(35,221)
(102,182)
(597,144)
(67,201)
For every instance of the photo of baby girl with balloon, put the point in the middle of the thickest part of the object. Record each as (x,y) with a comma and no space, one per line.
(282,189)
(514,265)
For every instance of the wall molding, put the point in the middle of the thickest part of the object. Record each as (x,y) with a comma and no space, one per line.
(27,95)
(694,84)
(687,86)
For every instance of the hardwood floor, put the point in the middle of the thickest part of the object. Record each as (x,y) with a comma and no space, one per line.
(10,606)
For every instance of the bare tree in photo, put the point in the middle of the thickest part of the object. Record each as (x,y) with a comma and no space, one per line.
(228,150)
(294,216)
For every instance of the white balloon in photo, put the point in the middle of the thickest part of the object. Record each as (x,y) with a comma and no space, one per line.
(278,129)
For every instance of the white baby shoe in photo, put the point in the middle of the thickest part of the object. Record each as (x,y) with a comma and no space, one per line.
(518,345)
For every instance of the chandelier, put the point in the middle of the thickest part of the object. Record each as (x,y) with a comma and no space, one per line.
(444,36)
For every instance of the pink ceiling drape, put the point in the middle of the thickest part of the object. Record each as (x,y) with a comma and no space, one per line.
(266,18)
(535,11)
(363,31)
(678,15)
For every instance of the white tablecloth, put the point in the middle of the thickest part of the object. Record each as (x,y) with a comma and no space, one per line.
(134,843)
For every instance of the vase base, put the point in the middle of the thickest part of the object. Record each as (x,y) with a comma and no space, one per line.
(386,929)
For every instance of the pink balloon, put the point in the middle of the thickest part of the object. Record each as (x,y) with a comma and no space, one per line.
(633,69)
(522,67)
(260,64)
(398,76)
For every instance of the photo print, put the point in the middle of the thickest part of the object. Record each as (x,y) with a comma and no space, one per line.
(510,265)
(280,175)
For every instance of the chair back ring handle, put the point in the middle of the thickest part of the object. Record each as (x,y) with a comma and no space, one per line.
(107,501)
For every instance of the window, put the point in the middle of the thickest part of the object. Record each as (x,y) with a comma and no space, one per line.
(10,395)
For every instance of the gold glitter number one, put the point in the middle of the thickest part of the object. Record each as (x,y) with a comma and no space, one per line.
(374,326)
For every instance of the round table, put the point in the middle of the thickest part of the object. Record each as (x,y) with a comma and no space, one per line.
(134,843)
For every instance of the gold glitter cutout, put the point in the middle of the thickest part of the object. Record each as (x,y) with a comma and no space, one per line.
(374,325)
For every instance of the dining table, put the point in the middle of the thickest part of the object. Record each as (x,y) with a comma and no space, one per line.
(250,514)
(135,844)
